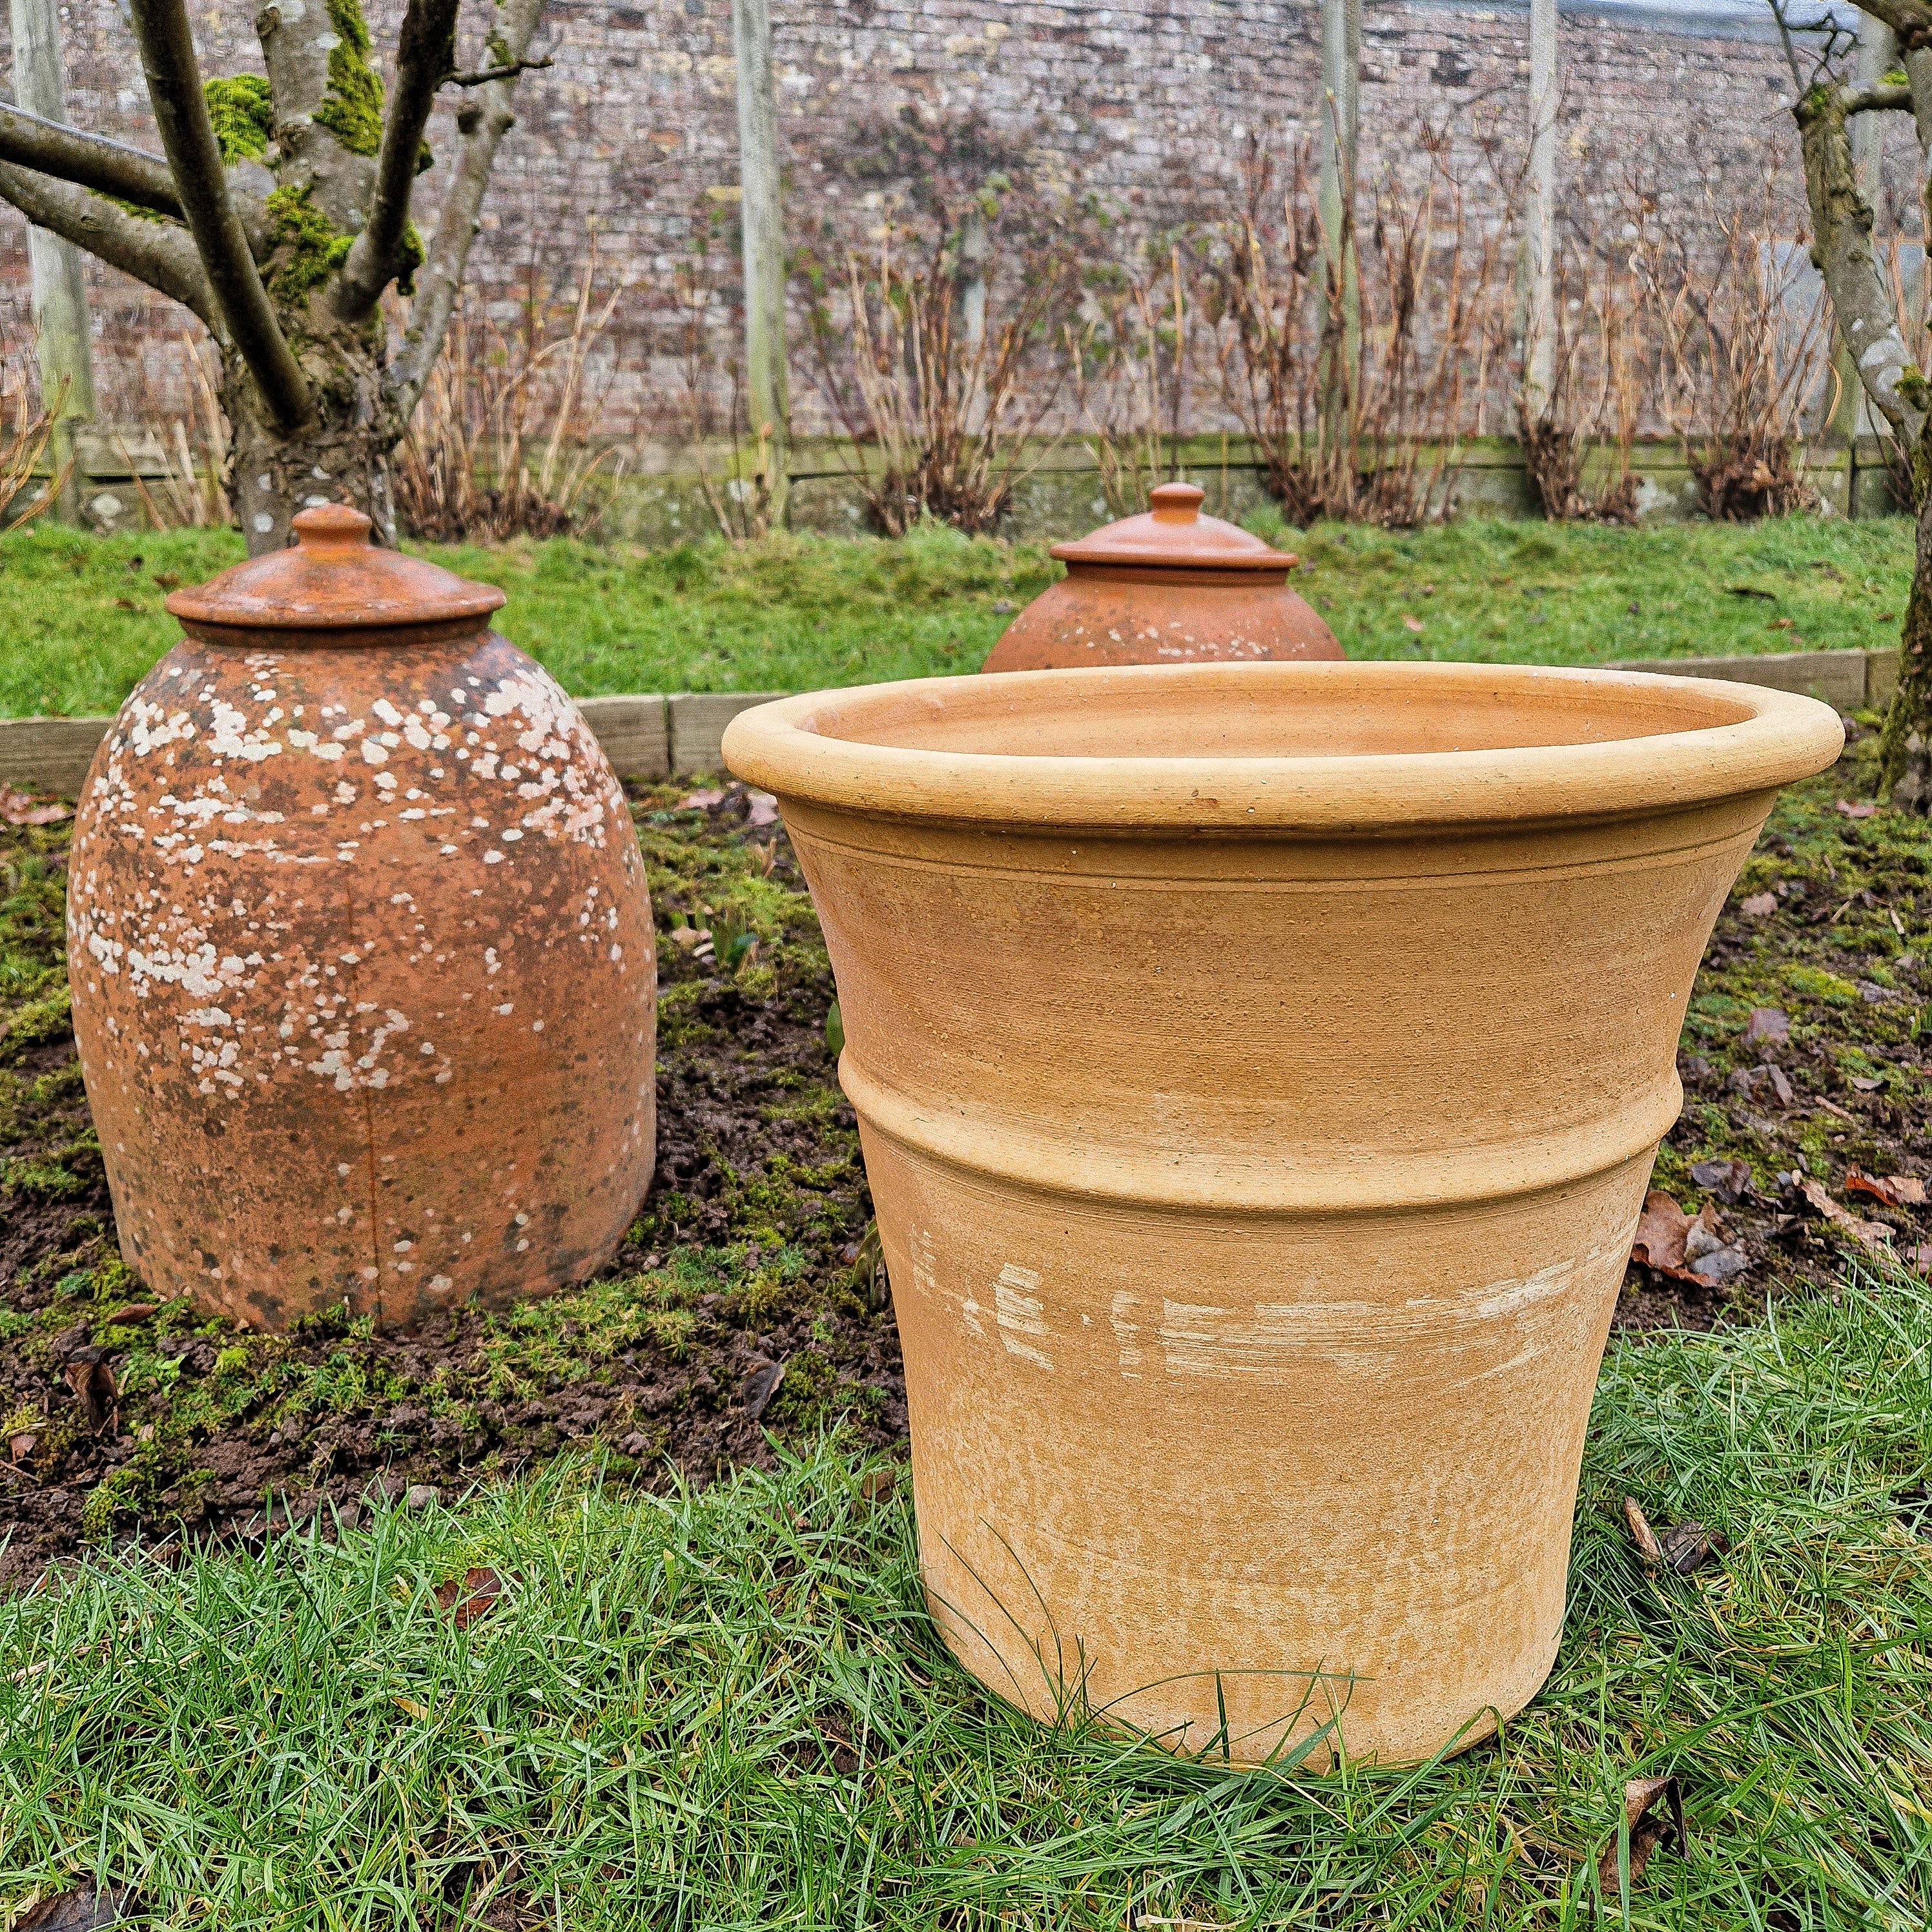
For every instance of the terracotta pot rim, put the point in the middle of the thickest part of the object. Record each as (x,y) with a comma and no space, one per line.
(1750,739)
(1141,557)
(1260,574)
(403,635)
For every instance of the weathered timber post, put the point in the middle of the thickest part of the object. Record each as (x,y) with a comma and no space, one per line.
(762,213)
(1338,111)
(64,340)
(1539,222)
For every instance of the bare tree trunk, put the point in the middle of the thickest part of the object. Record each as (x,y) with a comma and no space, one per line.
(762,215)
(1339,115)
(1539,332)
(65,341)
(340,455)
(1876,53)
(1861,309)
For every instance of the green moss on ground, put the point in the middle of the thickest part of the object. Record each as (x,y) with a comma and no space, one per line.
(742,1247)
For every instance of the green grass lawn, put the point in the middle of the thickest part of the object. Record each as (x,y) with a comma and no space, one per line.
(82,620)
(729,1709)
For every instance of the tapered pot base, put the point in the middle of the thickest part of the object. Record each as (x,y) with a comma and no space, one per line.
(1364,1540)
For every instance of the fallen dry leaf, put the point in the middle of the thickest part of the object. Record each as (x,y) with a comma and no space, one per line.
(1414,623)
(878,1485)
(1690,1545)
(410,1707)
(1691,1248)
(78,1911)
(134,1311)
(1759,904)
(1863,808)
(1641,1534)
(1642,1798)
(1865,1086)
(19,1447)
(22,808)
(1728,1179)
(93,1383)
(1891,1190)
(1771,1023)
(700,801)
(760,1385)
(764,809)
(466,1597)
(1873,1234)
(1660,1232)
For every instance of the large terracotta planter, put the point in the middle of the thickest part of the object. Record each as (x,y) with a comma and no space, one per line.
(1258,1069)
(364,982)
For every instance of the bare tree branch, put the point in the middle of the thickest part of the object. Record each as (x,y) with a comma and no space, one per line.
(490,74)
(188,138)
(484,121)
(1841,222)
(424,51)
(89,160)
(153,252)
(1790,52)
(1879,100)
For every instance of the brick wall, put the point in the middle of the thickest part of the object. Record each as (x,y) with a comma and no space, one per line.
(1145,103)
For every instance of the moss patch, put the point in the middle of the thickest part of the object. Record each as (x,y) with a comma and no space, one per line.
(352,106)
(243,111)
(414,255)
(308,249)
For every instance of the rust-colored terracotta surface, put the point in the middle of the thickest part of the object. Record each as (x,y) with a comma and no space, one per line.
(363,972)
(1168,586)
(1259,1069)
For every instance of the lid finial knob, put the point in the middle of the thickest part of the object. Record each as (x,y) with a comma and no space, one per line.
(329,526)
(1176,502)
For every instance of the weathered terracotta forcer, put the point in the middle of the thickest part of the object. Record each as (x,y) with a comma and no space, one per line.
(1168,586)
(364,979)
(1250,1331)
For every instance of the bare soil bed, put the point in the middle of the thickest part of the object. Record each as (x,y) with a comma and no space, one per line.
(746,1308)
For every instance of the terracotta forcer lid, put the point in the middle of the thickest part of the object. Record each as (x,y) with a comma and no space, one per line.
(1174,535)
(1170,587)
(333,578)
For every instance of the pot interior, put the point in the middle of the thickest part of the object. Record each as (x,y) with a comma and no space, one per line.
(1272,711)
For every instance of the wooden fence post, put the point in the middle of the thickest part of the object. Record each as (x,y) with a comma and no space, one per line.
(64,340)
(1539,330)
(1338,111)
(761,211)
